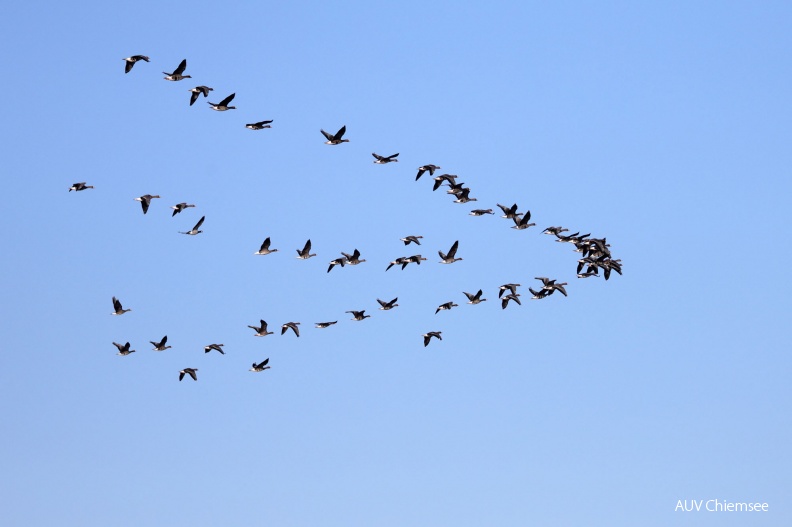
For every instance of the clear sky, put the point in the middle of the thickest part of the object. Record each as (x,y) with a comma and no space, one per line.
(663,126)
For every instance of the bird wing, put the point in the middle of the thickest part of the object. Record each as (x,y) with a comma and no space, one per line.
(181,375)
(307,248)
(128,65)
(227,100)
(198,225)
(340,133)
(194,97)
(377,156)
(394,156)
(327,136)
(181,68)
(452,252)
(420,173)
(192,374)
(265,245)
(117,304)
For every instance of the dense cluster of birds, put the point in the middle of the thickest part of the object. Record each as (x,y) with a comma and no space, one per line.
(596,254)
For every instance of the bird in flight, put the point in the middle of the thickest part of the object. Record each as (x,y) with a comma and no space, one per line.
(335,139)
(130,61)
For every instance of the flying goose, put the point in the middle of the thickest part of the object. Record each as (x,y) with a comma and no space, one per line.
(475,299)
(521,224)
(335,139)
(177,73)
(338,261)
(538,295)
(381,160)
(443,307)
(411,239)
(510,287)
(359,315)
(260,366)
(464,196)
(216,347)
(197,91)
(510,296)
(130,61)
(119,310)
(261,331)
(428,336)
(509,212)
(426,168)
(388,305)
(123,349)
(291,325)
(259,125)
(179,207)
(449,258)
(322,325)
(438,180)
(554,230)
(145,201)
(188,371)
(223,105)
(354,258)
(160,346)
(265,248)
(194,230)
(551,286)
(77,187)
(401,260)
(416,258)
(480,212)
(456,188)
(306,251)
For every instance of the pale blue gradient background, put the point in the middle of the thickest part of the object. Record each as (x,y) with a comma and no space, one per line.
(663,126)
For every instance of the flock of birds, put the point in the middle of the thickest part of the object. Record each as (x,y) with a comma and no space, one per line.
(595,252)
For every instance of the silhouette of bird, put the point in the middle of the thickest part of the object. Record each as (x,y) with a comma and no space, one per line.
(197,91)
(510,296)
(322,325)
(306,251)
(223,105)
(260,366)
(510,287)
(388,305)
(521,224)
(160,346)
(177,74)
(261,331)
(130,62)
(359,315)
(426,168)
(338,261)
(450,257)
(354,258)
(216,347)
(381,160)
(475,299)
(119,310)
(194,230)
(188,371)
(180,207)
(265,248)
(77,187)
(259,125)
(444,307)
(291,325)
(480,212)
(145,201)
(411,239)
(428,336)
(123,349)
(335,139)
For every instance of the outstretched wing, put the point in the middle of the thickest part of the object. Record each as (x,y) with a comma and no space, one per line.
(198,225)
(227,100)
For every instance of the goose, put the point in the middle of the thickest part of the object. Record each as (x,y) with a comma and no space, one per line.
(194,230)
(188,371)
(354,258)
(259,125)
(456,188)
(538,295)
(416,258)
(77,187)
(521,224)
(480,212)
(179,207)
(261,331)
(261,366)
(438,180)
(509,212)
(426,168)
(381,160)
(223,105)
(216,347)
(554,230)
(130,62)
(160,346)
(401,260)
(322,325)
(558,287)
(411,239)
(444,307)
(177,73)
(475,299)
(464,196)
(359,315)
(338,261)
(386,306)
(590,271)
(335,139)
(449,258)
(119,310)
(428,336)
(572,238)
(510,296)
(265,248)
(123,349)
(291,325)
(197,91)
(145,201)
(510,287)
(306,251)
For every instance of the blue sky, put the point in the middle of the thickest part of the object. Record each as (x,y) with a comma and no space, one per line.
(663,126)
